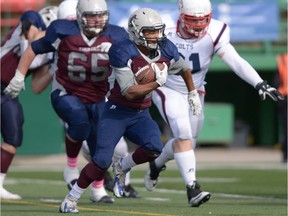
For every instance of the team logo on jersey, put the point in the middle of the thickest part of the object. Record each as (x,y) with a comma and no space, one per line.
(184,46)
(112,107)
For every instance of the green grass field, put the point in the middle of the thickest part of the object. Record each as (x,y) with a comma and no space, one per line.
(235,192)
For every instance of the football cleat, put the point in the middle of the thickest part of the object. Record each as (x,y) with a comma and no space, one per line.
(71,174)
(100,195)
(151,177)
(130,192)
(196,196)
(69,205)
(6,195)
(119,181)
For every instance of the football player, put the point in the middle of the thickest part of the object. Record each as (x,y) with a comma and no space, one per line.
(80,82)
(201,37)
(31,24)
(67,10)
(127,111)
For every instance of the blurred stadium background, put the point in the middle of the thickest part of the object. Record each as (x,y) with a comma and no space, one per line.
(235,115)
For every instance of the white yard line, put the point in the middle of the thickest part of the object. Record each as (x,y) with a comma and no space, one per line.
(11,181)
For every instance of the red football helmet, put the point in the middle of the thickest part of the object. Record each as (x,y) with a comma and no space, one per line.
(195,16)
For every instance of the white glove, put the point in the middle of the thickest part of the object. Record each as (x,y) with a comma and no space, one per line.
(16,85)
(194,102)
(161,75)
(104,47)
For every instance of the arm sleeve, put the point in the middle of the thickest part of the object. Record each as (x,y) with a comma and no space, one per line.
(124,77)
(240,66)
(177,67)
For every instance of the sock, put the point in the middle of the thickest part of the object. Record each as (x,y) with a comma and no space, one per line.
(98,184)
(6,160)
(90,173)
(72,148)
(141,155)
(2,178)
(186,163)
(72,152)
(128,163)
(166,155)
(121,150)
(72,162)
(127,179)
(76,191)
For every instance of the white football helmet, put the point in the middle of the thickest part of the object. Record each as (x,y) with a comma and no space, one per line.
(195,16)
(48,14)
(92,16)
(67,10)
(145,19)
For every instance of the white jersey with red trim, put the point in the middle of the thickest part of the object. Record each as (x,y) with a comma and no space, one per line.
(198,53)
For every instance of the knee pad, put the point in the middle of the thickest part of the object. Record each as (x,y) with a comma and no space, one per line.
(12,122)
(80,131)
(15,139)
(103,162)
(155,145)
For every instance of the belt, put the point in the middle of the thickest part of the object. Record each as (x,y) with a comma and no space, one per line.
(126,108)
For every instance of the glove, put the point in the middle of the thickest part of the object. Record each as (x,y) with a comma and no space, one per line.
(265,89)
(194,102)
(16,85)
(161,75)
(104,47)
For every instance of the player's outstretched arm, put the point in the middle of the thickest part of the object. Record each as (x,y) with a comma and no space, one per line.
(246,72)
(17,82)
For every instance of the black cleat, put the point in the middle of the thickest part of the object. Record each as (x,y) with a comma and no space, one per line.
(130,192)
(196,196)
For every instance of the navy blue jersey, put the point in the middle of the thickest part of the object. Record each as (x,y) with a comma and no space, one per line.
(82,69)
(126,55)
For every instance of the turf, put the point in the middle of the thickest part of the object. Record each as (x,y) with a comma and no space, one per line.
(235,192)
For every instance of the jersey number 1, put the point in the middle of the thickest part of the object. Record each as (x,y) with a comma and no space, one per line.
(194,58)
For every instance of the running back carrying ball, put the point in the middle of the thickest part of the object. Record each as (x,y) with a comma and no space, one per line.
(146,74)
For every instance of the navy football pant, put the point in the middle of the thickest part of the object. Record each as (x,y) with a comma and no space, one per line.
(12,120)
(80,117)
(118,121)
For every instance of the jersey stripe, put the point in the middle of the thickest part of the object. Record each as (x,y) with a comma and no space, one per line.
(220,34)
(162,96)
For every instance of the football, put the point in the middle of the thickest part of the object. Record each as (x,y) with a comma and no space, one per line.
(146,74)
